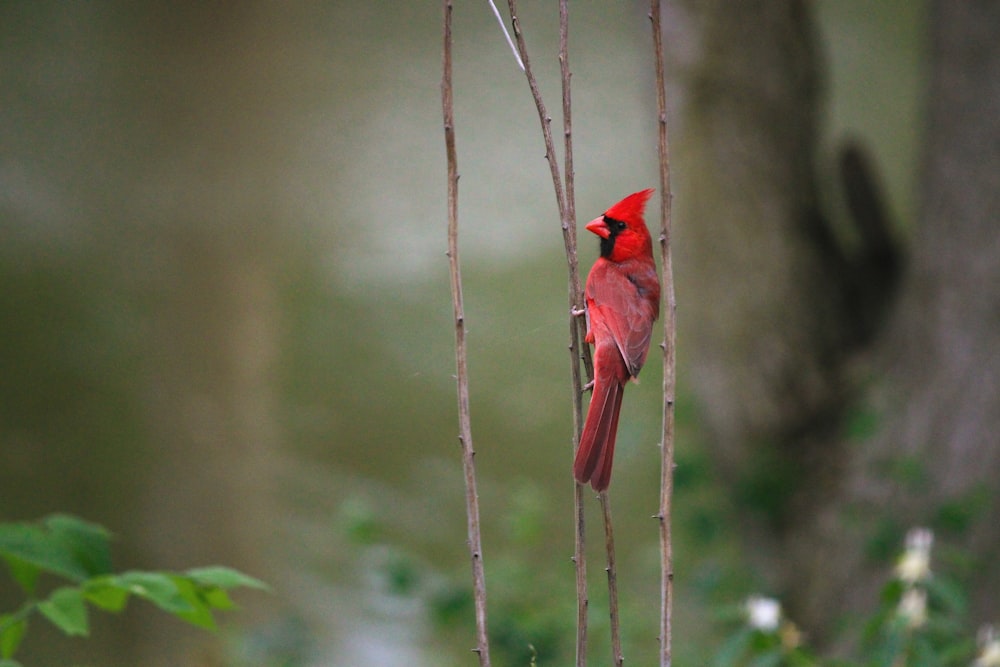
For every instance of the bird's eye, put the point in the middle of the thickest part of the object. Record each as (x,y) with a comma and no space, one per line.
(614,225)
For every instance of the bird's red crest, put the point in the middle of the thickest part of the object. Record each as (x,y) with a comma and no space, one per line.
(631,208)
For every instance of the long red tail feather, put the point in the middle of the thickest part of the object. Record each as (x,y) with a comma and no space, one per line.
(597,442)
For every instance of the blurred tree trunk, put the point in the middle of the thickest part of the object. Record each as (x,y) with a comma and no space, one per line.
(940,355)
(802,327)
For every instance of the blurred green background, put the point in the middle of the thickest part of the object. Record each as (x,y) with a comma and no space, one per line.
(225,322)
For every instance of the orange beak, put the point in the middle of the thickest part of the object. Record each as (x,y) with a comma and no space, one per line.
(598,226)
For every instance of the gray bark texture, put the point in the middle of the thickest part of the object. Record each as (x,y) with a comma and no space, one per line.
(798,329)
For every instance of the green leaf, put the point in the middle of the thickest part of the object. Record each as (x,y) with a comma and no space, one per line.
(947,593)
(959,652)
(89,543)
(216,598)
(199,613)
(24,573)
(800,658)
(892,592)
(891,644)
(67,610)
(762,641)
(12,629)
(60,544)
(107,593)
(156,587)
(733,648)
(223,577)
(771,658)
(10,663)
(24,546)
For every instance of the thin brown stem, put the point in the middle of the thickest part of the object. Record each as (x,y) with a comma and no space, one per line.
(543,116)
(578,350)
(580,562)
(464,421)
(609,542)
(669,348)
(577,332)
(569,215)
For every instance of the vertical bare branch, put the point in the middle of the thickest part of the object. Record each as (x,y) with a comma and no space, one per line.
(464,421)
(577,333)
(543,115)
(669,360)
(567,110)
(578,351)
(569,212)
(580,558)
(618,659)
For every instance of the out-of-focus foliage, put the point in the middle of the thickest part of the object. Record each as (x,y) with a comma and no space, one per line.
(79,552)
(920,622)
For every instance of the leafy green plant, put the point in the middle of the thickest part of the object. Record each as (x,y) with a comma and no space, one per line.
(78,554)
(920,623)
(763,638)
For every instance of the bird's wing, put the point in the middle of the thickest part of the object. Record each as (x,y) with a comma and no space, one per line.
(618,307)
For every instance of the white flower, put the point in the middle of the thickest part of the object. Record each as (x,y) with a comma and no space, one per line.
(763,613)
(989,648)
(915,563)
(913,607)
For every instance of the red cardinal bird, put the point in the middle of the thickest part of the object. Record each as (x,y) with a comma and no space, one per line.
(623,301)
